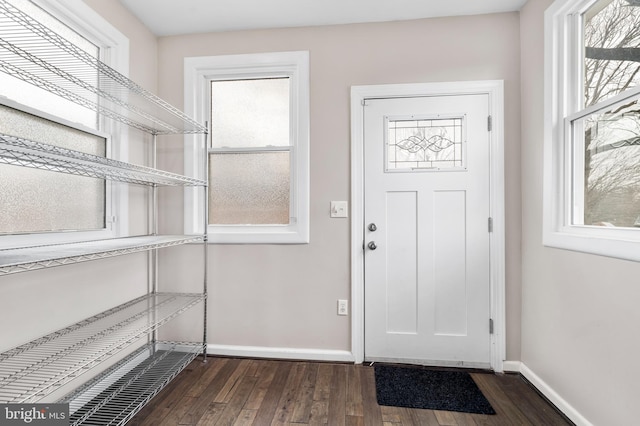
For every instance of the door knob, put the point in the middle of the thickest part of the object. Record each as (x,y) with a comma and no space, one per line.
(372,227)
(372,245)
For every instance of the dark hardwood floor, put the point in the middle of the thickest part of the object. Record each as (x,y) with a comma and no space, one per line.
(229,391)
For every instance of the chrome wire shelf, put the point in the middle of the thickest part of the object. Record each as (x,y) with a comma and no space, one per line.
(32,371)
(114,397)
(34,53)
(27,153)
(39,257)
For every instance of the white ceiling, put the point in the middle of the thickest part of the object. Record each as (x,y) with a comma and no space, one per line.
(172,17)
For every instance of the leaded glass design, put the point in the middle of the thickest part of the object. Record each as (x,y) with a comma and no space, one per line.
(423,144)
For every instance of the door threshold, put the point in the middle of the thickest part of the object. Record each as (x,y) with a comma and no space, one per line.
(430,363)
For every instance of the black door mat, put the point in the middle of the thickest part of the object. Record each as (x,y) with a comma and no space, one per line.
(416,387)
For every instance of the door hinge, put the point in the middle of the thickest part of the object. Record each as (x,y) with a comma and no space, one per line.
(489,123)
(490,222)
(490,325)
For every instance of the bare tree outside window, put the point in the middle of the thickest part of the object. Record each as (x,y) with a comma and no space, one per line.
(611,137)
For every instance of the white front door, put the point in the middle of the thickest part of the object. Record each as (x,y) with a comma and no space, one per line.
(426,210)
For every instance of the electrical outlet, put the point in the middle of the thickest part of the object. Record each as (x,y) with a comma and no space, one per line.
(343,307)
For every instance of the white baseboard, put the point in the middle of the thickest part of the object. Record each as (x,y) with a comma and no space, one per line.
(553,396)
(281,353)
(511,366)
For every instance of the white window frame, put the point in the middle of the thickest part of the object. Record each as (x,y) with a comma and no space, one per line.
(563,93)
(199,72)
(114,51)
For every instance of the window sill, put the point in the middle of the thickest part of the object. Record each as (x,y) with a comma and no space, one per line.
(591,243)
(258,235)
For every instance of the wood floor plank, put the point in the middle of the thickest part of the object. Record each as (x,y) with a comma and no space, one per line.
(354,393)
(424,417)
(265,375)
(237,400)
(245,418)
(163,404)
(369,400)
(445,418)
(180,414)
(287,401)
(252,369)
(319,412)
(355,420)
(302,407)
(323,385)
(499,400)
(201,405)
(464,419)
(406,417)
(213,367)
(390,414)
(534,406)
(271,398)
(225,394)
(243,392)
(338,396)
(212,414)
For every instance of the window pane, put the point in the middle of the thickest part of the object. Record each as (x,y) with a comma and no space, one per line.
(36,97)
(424,144)
(249,188)
(41,201)
(607,188)
(612,49)
(250,113)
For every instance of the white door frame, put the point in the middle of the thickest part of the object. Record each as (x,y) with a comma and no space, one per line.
(495,90)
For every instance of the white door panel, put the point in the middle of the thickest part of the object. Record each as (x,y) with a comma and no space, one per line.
(427,192)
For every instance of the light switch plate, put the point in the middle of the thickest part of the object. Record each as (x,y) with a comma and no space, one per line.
(339,209)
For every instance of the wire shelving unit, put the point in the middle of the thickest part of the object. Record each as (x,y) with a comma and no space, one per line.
(32,371)
(38,155)
(31,258)
(33,53)
(116,395)
(42,369)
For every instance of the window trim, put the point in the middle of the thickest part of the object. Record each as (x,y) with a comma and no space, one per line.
(114,51)
(561,54)
(199,71)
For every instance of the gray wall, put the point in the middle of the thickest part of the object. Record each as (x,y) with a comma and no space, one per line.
(580,312)
(285,296)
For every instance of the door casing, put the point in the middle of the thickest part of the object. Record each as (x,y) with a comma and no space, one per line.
(495,90)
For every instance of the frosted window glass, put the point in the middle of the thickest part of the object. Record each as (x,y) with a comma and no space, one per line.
(43,201)
(250,113)
(249,188)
